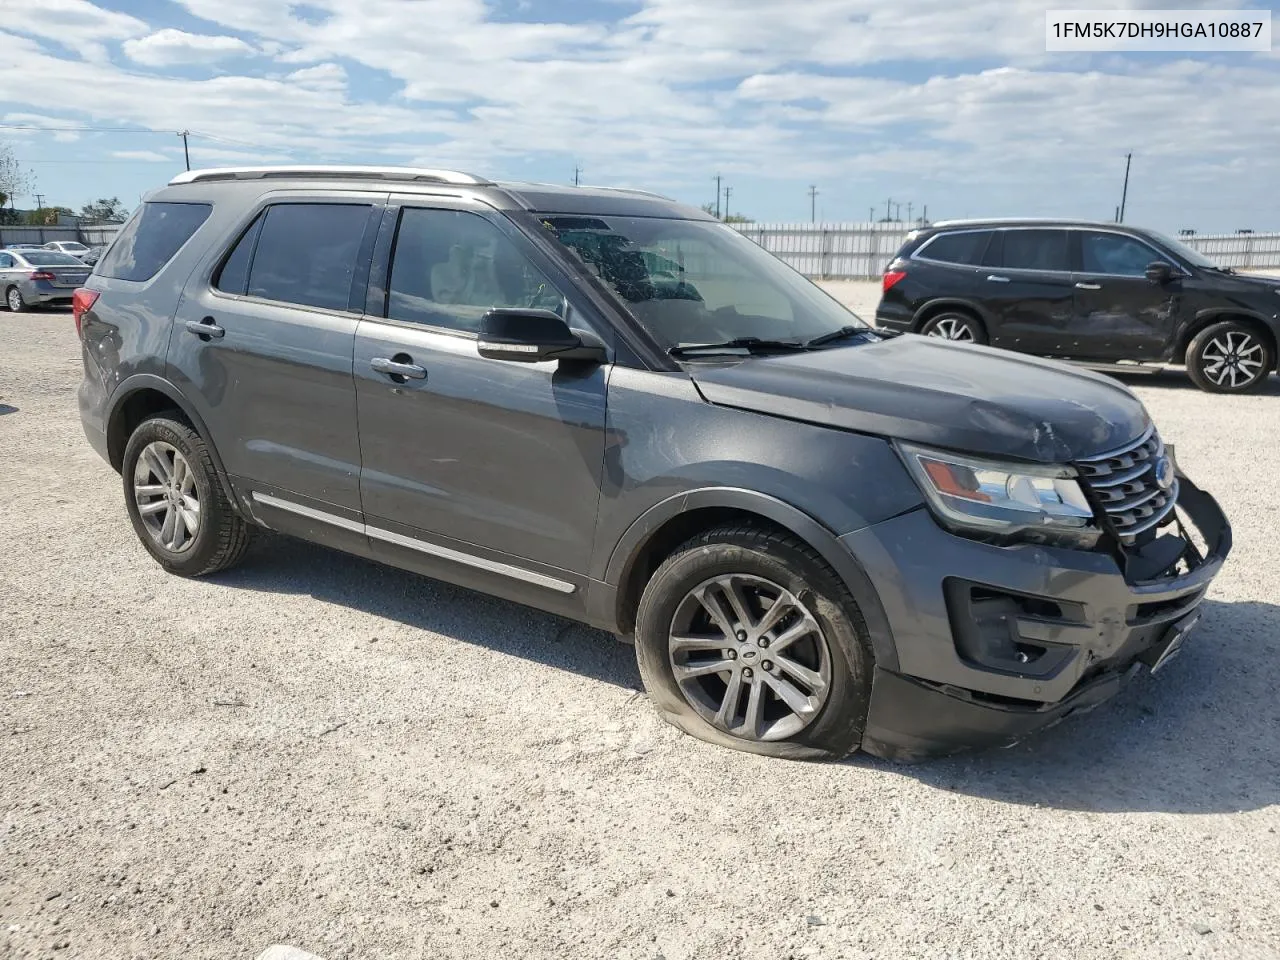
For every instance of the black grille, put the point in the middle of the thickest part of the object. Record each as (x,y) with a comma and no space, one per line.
(1124,484)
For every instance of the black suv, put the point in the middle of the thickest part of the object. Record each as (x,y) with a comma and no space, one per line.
(620,410)
(1098,293)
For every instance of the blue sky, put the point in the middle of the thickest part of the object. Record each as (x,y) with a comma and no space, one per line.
(954,106)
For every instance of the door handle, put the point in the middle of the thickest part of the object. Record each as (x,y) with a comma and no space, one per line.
(994,279)
(1088,286)
(206,329)
(397,368)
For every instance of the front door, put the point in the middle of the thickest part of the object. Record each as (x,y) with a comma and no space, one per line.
(1119,313)
(1027,289)
(262,345)
(484,472)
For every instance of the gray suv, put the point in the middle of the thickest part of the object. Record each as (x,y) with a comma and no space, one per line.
(614,408)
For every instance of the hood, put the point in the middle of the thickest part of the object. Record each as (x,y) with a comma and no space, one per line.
(976,399)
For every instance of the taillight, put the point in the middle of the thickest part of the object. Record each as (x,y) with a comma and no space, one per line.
(81,302)
(891,277)
(43,275)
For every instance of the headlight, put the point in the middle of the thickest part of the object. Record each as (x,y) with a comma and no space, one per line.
(1004,501)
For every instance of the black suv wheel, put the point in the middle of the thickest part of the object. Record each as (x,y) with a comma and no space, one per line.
(178,508)
(1229,357)
(953,325)
(746,638)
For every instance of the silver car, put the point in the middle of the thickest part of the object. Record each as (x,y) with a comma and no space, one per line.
(36,277)
(73,247)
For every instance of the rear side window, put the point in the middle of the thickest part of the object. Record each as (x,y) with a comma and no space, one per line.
(303,253)
(966,248)
(1036,250)
(151,239)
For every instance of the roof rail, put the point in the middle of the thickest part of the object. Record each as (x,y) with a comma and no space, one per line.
(331,172)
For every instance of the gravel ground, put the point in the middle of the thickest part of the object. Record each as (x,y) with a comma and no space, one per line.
(319,751)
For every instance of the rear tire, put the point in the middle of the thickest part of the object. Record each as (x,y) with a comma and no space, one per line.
(176,502)
(1229,357)
(13,299)
(797,688)
(957,326)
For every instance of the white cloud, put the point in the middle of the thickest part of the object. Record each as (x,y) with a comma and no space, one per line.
(77,24)
(146,156)
(166,48)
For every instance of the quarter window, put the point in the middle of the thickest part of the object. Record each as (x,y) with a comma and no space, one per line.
(1036,250)
(965,248)
(451,267)
(1114,254)
(152,238)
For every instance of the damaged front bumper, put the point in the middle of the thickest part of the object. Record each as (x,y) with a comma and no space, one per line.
(996,643)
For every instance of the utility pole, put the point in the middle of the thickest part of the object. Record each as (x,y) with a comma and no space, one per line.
(888,209)
(728,192)
(924,214)
(577,175)
(39,201)
(910,207)
(718,179)
(813,203)
(1128,158)
(186,153)
(871,215)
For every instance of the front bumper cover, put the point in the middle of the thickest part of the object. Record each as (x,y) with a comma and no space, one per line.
(938,703)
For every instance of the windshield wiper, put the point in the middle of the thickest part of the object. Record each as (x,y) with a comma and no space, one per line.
(844,333)
(750,344)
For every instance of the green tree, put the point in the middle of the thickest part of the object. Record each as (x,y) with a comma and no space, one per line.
(15,180)
(731,218)
(103,210)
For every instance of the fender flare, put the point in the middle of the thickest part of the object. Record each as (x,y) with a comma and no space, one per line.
(149,381)
(837,556)
(1208,315)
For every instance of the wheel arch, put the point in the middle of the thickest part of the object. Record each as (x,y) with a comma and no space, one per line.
(1206,318)
(941,305)
(144,395)
(651,539)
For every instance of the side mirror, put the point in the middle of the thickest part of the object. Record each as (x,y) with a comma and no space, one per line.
(526,335)
(1159,272)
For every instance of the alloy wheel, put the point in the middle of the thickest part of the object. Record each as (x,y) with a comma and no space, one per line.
(1233,359)
(15,300)
(952,328)
(164,489)
(750,657)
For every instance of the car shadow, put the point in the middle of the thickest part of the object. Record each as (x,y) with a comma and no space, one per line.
(1203,736)
(1178,380)
(5,408)
(281,564)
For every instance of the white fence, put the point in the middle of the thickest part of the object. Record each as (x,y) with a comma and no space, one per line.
(861,251)
(90,235)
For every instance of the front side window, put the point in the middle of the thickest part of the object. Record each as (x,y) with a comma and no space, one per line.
(1036,250)
(1114,254)
(692,281)
(6,261)
(964,248)
(152,238)
(303,253)
(451,267)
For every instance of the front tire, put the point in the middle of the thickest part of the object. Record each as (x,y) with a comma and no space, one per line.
(14,301)
(747,639)
(1229,357)
(176,503)
(953,325)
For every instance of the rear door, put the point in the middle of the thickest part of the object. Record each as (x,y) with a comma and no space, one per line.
(262,345)
(1119,313)
(1028,288)
(479,471)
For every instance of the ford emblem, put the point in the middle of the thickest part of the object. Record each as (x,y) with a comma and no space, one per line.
(1164,473)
